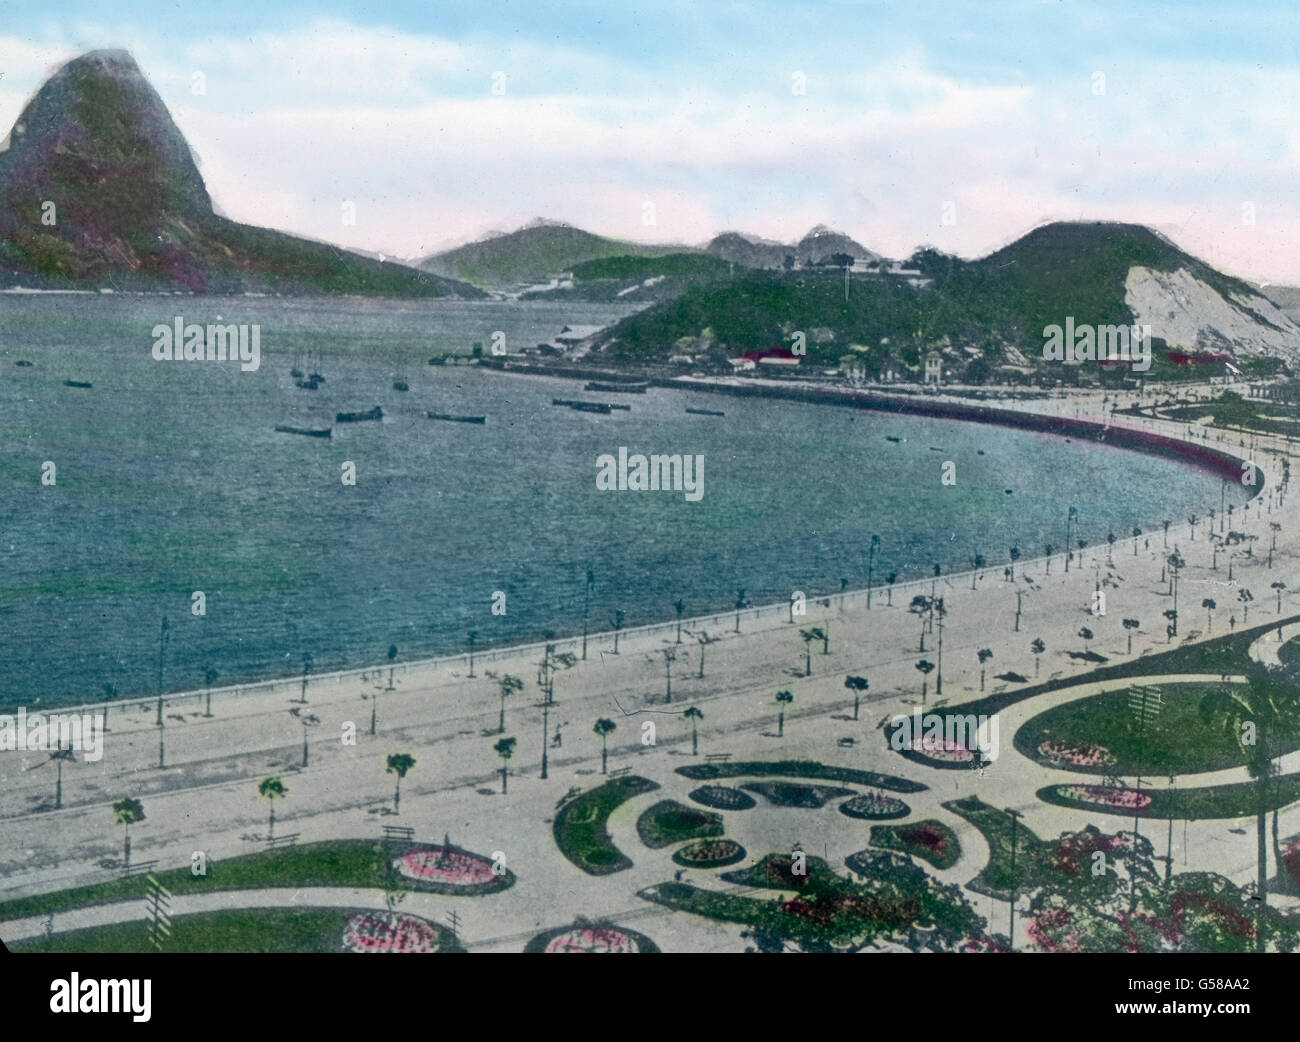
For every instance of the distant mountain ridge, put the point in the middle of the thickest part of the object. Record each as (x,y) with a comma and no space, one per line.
(994,308)
(98,187)
(817,247)
(533,254)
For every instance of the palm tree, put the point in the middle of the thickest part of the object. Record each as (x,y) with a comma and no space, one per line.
(505,749)
(984,654)
(392,657)
(1279,587)
(1245,596)
(1136,533)
(399,764)
(1015,556)
(1037,647)
(473,639)
(890,579)
(740,603)
(126,812)
(925,667)
(1086,634)
(1131,625)
(1049,549)
(1110,548)
(209,678)
(694,716)
(783,699)
(617,622)
(1251,714)
(857,685)
(680,605)
(1209,606)
(808,637)
(604,728)
(508,685)
(272,788)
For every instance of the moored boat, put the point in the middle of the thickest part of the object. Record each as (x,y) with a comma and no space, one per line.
(706,412)
(310,432)
(455,419)
(78,383)
(377,413)
(628,387)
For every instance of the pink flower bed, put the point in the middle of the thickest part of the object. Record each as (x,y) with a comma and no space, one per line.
(451,867)
(591,939)
(389,932)
(1128,799)
(941,749)
(1082,756)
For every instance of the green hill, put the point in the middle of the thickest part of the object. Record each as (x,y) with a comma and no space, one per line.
(999,301)
(98,188)
(532,255)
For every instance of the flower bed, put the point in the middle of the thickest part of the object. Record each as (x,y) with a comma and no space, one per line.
(1107,796)
(721,797)
(875,807)
(941,749)
(1057,753)
(669,822)
(391,932)
(586,938)
(795,794)
(709,853)
(449,867)
(930,840)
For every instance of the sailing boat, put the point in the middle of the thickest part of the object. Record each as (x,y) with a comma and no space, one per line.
(296,372)
(315,376)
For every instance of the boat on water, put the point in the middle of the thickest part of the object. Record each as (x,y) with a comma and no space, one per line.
(401,385)
(598,407)
(377,413)
(628,387)
(706,412)
(316,378)
(78,383)
(310,432)
(455,419)
(296,373)
(890,437)
(308,385)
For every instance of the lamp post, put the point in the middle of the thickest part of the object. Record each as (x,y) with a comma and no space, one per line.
(1070,517)
(871,566)
(162,648)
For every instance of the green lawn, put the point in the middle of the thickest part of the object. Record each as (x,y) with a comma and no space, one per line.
(798,769)
(1238,800)
(241,930)
(336,862)
(579,827)
(1177,741)
(930,840)
(669,822)
(1289,653)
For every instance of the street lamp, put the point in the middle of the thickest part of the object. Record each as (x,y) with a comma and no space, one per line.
(1069,520)
(871,566)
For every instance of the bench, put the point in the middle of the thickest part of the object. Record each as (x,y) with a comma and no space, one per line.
(399,832)
(282,841)
(139,867)
(717,757)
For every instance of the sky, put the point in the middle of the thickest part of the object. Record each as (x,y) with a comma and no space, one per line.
(900,123)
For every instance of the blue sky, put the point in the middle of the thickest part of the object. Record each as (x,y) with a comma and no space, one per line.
(901,123)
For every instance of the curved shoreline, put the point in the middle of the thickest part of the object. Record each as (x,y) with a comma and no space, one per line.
(1202,457)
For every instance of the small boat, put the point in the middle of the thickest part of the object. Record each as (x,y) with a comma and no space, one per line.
(327,432)
(600,407)
(78,383)
(890,437)
(316,378)
(617,388)
(296,373)
(22,362)
(308,385)
(377,413)
(456,419)
(706,412)
(401,385)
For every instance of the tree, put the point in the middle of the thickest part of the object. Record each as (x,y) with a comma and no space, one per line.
(1279,587)
(808,637)
(505,749)
(1209,606)
(1037,647)
(1131,625)
(857,685)
(925,667)
(1136,533)
(1015,556)
(126,812)
(507,685)
(617,622)
(783,699)
(1049,549)
(740,604)
(890,579)
(1110,548)
(110,693)
(1086,634)
(272,789)
(984,654)
(392,658)
(209,678)
(604,728)
(694,716)
(399,764)
(680,605)
(1245,596)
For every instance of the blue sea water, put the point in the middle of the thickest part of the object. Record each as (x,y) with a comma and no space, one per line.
(170,479)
